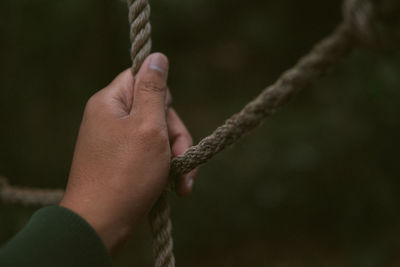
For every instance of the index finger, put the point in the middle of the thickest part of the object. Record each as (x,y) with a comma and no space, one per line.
(179,136)
(180,140)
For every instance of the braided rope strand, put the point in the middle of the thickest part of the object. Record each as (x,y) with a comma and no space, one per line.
(160,225)
(159,216)
(140,32)
(375,23)
(28,196)
(324,55)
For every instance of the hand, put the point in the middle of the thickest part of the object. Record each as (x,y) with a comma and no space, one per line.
(123,152)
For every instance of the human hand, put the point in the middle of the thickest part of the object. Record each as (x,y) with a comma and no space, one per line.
(123,152)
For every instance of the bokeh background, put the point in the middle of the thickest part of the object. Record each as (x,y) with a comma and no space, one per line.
(316,185)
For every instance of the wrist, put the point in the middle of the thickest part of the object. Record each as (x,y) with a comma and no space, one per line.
(112,229)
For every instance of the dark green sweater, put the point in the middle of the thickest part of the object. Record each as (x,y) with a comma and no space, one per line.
(55,236)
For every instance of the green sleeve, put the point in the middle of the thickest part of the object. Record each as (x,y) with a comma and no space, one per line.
(55,236)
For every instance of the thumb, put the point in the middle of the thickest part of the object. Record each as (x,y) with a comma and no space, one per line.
(151,88)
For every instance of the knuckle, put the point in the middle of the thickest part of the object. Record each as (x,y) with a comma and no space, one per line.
(187,136)
(91,104)
(94,104)
(151,130)
(152,86)
(154,133)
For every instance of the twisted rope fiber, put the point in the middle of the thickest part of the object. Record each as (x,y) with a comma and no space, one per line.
(140,32)
(28,196)
(375,23)
(359,18)
(159,216)
(309,68)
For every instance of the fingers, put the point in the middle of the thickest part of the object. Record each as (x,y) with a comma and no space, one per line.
(149,96)
(185,186)
(168,99)
(180,140)
(178,134)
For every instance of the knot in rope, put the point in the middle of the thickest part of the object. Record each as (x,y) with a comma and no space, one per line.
(375,23)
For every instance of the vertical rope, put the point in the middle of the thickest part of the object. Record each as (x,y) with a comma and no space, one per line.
(28,196)
(140,32)
(160,225)
(159,216)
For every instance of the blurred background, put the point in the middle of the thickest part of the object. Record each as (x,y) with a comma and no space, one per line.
(316,185)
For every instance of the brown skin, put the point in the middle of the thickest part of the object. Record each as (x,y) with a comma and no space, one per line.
(123,152)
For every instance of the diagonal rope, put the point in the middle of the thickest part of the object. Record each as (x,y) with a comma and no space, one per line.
(359,26)
(316,63)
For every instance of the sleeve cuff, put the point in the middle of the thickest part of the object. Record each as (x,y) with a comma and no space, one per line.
(56,236)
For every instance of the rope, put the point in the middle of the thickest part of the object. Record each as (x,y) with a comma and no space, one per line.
(375,23)
(28,196)
(309,68)
(372,23)
(160,225)
(140,32)
(159,216)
